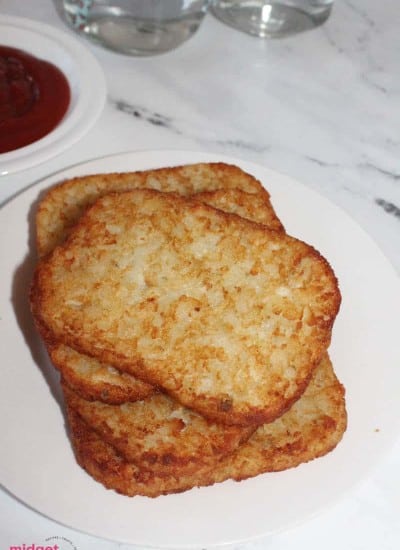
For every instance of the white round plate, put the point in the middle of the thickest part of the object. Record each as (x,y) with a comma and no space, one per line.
(36,461)
(86,80)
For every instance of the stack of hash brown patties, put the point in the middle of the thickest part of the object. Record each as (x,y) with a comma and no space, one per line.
(190,331)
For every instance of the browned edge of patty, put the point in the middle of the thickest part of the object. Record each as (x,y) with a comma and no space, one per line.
(107,467)
(315,439)
(180,452)
(128,390)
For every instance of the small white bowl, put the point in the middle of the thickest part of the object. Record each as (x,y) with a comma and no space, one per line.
(86,80)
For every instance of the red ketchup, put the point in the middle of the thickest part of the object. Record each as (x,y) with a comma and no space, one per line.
(34,97)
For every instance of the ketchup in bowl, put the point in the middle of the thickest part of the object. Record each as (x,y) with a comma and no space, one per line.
(34,97)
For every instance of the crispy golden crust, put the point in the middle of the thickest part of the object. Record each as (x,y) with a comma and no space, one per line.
(312,428)
(63,205)
(228,317)
(158,434)
(105,465)
(253,206)
(93,380)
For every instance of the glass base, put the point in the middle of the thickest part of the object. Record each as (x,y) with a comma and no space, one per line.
(269,20)
(141,37)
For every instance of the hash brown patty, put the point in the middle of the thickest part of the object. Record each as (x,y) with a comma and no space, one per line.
(158,434)
(94,380)
(226,316)
(64,203)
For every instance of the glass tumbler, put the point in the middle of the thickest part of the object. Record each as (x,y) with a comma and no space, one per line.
(272,18)
(136,27)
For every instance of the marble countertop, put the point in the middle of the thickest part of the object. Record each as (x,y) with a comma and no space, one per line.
(322,107)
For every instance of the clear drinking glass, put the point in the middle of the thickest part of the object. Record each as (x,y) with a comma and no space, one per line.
(136,27)
(272,18)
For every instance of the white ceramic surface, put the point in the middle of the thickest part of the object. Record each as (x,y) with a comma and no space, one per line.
(36,458)
(85,78)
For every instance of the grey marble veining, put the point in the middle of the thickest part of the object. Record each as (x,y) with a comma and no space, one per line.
(389,207)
